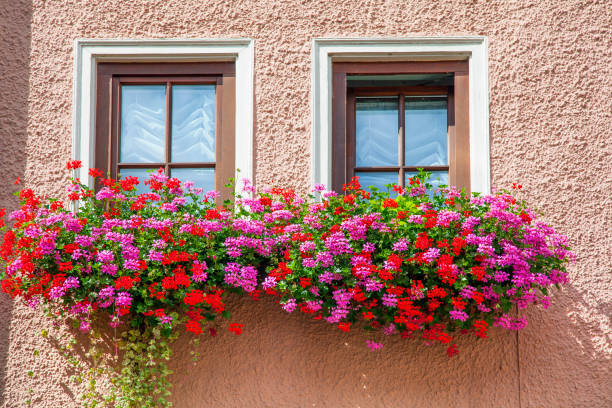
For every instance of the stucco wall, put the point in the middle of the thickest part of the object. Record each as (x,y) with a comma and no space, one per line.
(551,104)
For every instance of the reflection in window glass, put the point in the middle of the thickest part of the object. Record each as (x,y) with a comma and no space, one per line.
(376,130)
(143,112)
(437,179)
(376,179)
(193,123)
(142,174)
(202,178)
(426,132)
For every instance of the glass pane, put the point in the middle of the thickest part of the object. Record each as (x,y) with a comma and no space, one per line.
(193,123)
(437,178)
(142,174)
(143,111)
(426,132)
(376,130)
(376,179)
(203,178)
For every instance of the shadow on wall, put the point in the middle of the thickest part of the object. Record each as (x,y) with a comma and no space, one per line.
(590,324)
(569,349)
(15,20)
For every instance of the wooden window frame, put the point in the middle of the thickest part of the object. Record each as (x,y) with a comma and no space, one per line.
(343,116)
(110,77)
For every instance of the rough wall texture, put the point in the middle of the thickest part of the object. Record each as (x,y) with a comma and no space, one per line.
(551,105)
(14,72)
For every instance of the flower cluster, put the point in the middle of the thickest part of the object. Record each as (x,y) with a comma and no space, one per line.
(151,259)
(412,261)
(417,264)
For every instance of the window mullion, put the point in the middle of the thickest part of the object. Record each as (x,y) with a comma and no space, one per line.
(114,150)
(168,131)
(401,139)
(219,142)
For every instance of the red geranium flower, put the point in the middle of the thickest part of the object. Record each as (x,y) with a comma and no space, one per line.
(194,297)
(194,327)
(368,315)
(480,328)
(423,241)
(344,326)
(124,282)
(169,283)
(74,164)
(236,328)
(389,203)
(95,173)
(478,272)
(128,183)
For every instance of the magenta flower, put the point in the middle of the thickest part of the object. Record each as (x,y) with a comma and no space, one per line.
(290,306)
(458,315)
(431,254)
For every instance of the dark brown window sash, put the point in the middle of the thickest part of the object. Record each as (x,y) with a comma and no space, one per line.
(401,93)
(108,109)
(343,114)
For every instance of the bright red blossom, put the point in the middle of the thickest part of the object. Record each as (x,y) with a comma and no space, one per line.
(236,328)
(344,326)
(390,203)
(95,173)
(74,164)
(452,350)
(193,327)
(124,283)
(194,297)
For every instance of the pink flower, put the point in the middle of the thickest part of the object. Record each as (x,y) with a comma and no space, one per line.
(318,187)
(105,193)
(269,283)
(431,255)
(290,306)
(458,315)
(85,326)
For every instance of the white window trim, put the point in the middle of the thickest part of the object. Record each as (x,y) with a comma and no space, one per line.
(88,52)
(326,50)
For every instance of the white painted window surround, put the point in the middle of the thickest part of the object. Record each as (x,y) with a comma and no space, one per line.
(88,52)
(475,49)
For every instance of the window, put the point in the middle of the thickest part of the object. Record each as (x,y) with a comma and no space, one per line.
(92,104)
(391,118)
(386,60)
(177,116)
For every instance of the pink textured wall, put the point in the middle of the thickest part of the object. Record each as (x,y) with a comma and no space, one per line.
(551,86)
